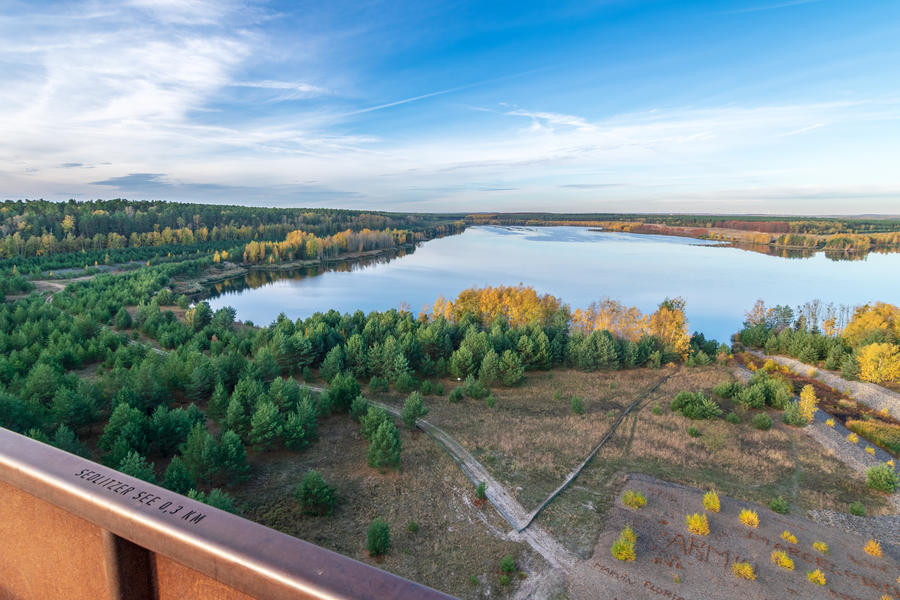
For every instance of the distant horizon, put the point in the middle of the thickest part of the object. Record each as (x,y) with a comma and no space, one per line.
(486,212)
(636,106)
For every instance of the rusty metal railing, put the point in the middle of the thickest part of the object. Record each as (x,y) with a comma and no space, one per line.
(143,524)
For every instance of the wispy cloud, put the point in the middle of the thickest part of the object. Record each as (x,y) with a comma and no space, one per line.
(789,4)
(287,90)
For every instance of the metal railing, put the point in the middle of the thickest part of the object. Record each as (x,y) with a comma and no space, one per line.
(144,526)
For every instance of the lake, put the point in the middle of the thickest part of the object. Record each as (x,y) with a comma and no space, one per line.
(577,264)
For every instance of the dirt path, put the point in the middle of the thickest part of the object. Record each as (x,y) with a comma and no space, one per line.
(612,430)
(500,498)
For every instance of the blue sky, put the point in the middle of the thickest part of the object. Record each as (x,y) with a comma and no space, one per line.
(757,106)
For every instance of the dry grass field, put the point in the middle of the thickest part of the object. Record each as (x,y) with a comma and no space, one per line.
(530,440)
(455,540)
(736,459)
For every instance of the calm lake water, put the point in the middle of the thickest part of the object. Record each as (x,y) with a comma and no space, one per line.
(579,266)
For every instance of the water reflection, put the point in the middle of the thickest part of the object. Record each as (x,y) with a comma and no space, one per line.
(720,282)
(257,278)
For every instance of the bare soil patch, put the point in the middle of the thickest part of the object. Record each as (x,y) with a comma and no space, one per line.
(673,563)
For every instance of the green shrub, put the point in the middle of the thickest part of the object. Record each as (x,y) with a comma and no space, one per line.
(377,385)
(427,388)
(413,527)
(473,388)
(656,410)
(490,401)
(762,421)
(695,405)
(779,505)
(504,579)
(753,396)
(882,478)
(439,389)
(314,495)
(693,432)
(793,415)
(857,508)
(733,418)
(473,580)
(405,382)
(456,395)
(481,491)
(577,406)
(378,538)
(358,408)
(507,564)
(216,498)
(727,389)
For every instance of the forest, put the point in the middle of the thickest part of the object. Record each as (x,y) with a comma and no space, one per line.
(82,234)
(120,367)
(106,369)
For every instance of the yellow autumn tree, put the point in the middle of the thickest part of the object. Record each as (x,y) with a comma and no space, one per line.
(670,325)
(68,223)
(519,305)
(808,402)
(626,322)
(870,318)
(879,363)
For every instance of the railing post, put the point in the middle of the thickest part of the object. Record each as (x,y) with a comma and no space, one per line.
(129,571)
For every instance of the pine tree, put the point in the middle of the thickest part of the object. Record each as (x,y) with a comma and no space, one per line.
(413,408)
(200,453)
(378,537)
(384,451)
(314,495)
(300,427)
(177,477)
(511,371)
(136,465)
(233,457)
(372,420)
(490,368)
(333,364)
(265,426)
(218,403)
(236,417)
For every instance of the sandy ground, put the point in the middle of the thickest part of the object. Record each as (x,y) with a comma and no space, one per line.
(673,563)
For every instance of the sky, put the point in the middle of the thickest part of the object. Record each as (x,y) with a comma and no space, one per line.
(754,106)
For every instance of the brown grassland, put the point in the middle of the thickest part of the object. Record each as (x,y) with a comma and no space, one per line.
(735,459)
(530,440)
(455,540)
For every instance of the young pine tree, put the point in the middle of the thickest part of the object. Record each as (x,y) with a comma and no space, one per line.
(413,408)
(384,451)
(265,426)
(177,477)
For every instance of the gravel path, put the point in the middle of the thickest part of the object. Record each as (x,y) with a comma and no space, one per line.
(873,396)
(834,439)
(852,455)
